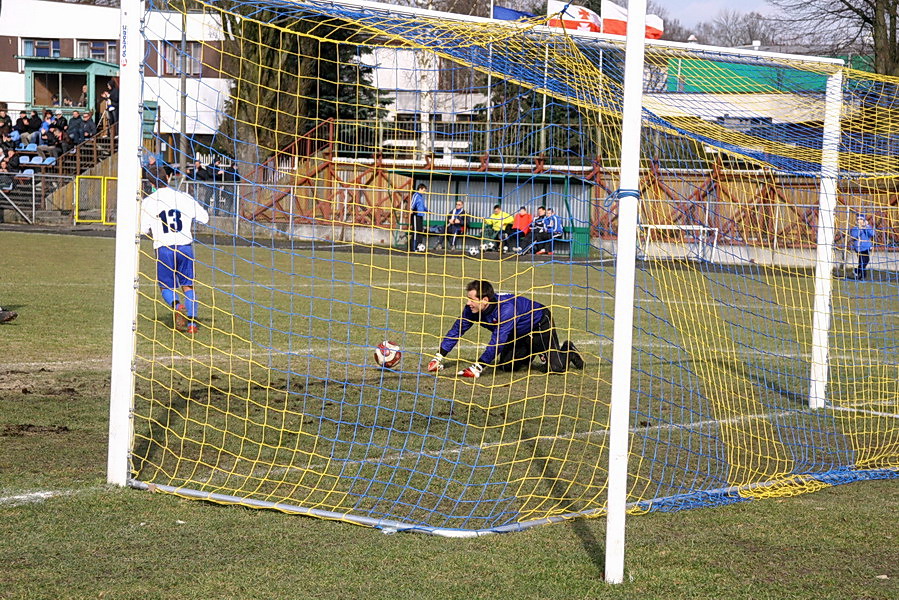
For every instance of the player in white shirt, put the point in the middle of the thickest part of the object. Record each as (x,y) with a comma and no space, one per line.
(168,215)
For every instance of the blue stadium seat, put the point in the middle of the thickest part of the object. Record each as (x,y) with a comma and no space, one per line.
(50,160)
(32,147)
(28,172)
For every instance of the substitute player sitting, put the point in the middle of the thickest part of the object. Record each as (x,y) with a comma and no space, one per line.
(520,329)
(169,215)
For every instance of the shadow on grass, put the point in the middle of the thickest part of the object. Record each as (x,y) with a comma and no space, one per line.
(558,487)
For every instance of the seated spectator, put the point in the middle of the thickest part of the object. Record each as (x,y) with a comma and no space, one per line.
(538,233)
(60,121)
(547,228)
(74,128)
(65,142)
(7,181)
(88,127)
(497,224)
(22,123)
(155,175)
(32,135)
(554,228)
(6,141)
(13,162)
(50,144)
(456,222)
(5,121)
(44,128)
(82,99)
(521,226)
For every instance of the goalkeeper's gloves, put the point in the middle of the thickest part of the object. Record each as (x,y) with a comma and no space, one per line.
(436,363)
(474,371)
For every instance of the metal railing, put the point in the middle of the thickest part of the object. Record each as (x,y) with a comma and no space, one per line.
(27,194)
(513,143)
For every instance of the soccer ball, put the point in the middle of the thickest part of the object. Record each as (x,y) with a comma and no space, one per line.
(474,250)
(421,248)
(388,354)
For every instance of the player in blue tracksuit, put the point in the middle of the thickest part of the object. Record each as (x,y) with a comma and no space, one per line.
(554,228)
(520,329)
(862,242)
(418,209)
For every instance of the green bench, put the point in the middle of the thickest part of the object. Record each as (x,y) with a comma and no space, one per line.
(575,242)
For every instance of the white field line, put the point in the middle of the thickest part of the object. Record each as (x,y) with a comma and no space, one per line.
(31,497)
(404,286)
(98,363)
(43,495)
(873,413)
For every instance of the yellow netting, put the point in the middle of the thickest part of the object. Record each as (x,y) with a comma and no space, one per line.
(329,115)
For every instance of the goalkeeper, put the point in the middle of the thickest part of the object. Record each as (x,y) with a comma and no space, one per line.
(520,329)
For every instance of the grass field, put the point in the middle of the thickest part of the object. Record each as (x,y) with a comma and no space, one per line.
(68,535)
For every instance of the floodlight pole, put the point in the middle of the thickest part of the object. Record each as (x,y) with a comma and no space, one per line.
(625,264)
(121,395)
(827,200)
(489,102)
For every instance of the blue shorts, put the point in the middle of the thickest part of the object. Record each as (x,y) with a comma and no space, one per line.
(175,266)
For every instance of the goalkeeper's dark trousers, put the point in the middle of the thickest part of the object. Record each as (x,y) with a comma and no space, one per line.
(541,340)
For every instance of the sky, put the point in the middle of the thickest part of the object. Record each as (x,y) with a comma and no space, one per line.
(690,12)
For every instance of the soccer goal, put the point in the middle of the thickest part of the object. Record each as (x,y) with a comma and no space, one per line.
(727,365)
(678,242)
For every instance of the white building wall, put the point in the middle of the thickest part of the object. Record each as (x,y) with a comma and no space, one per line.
(400,73)
(56,20)
(41,19)
(403,74)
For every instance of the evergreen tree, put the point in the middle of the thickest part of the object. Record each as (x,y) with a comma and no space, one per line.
(291,73)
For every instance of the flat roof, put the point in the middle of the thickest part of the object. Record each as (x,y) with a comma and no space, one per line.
(65,59)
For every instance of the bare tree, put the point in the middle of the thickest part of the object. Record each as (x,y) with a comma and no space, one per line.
(674,30)
(733,29)
(844,26)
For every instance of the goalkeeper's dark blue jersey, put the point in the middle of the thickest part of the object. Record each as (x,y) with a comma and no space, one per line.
(508,319)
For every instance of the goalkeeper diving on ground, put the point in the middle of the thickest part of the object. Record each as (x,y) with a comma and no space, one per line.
(521,330)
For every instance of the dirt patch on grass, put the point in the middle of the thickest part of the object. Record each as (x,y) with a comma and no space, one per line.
(29,429)
(19,384)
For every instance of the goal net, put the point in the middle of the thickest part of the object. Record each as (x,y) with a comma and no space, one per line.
(305,126)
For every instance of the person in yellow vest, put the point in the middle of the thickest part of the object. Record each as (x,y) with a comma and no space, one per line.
(497,225)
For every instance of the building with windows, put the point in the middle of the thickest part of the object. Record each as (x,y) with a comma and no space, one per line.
(64,59)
